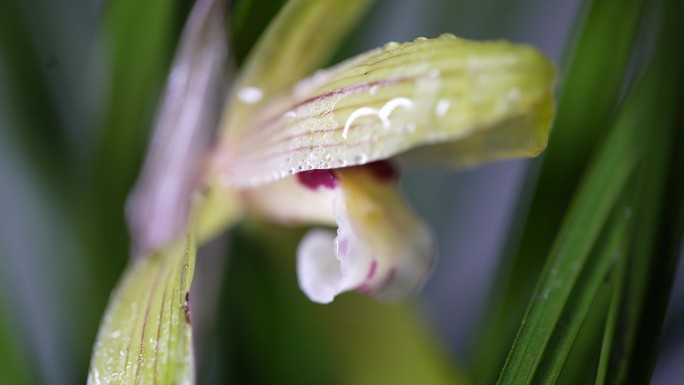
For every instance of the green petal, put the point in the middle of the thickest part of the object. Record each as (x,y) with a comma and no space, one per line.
(298,41)
(487,100)
(145,336)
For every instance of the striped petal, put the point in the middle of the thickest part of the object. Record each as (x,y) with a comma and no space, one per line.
(145,336)
(304,34)
(159,207)
(488,100)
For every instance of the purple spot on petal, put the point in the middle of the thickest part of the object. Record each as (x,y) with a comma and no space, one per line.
(373,269)
(315,179)
(343,246)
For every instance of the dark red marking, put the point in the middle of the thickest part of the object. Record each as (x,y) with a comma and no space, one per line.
(383,170)
(315,179)
(186,307)
(343,246)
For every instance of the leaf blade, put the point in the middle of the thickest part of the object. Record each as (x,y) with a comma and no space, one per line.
(595,199)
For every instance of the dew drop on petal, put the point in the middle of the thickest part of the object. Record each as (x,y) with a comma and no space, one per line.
(250,95)
(392,45)
(442,107)
(514,94)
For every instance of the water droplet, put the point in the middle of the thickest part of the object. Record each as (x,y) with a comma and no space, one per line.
(447,36)
(434,74)
(514,94)
(485,80)
(420,39)
(442,107)
(374,89)
(510,58)
(360,158)
(392,45)
(250,95)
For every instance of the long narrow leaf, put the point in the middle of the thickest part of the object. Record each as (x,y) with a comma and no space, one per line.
(588,214)
(582,298)
(591,82)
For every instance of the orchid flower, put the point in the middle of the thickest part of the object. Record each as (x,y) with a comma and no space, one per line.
(321,151)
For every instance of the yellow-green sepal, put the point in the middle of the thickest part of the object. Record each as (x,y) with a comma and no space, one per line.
(146,336)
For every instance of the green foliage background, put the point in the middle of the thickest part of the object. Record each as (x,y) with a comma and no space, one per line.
(591,252)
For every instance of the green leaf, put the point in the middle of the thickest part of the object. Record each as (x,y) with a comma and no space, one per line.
(145,336)
(248,20)
(494,98)
(644,287)
(596,198)
(27,88)
(131,55)
(592,80)
(583,299)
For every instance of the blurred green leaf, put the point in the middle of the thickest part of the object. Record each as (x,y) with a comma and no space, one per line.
(26,90)
(16,361)
(592,81)
(248,19)
(131,60)
(632,347)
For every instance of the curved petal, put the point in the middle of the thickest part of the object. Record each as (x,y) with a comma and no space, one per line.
(403,96)
(158,208)
(381,248)
(299,40)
